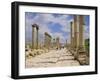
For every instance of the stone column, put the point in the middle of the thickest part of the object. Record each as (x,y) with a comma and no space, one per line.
(47,40)
(72,34)
(53,43)
(33,36)
(82,57)
(75,31)
(37,28)
(78,21)
(57,43)
(81,31)
(35,40)
(66,42)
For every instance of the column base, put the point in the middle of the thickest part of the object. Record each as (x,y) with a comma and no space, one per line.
(82,57)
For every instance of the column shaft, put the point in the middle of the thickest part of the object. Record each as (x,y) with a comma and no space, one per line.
(37,38)
(32,37)
(75,31)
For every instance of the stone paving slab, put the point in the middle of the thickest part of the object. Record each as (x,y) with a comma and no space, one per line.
(54,58)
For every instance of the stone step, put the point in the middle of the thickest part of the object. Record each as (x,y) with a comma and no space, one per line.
(82,58)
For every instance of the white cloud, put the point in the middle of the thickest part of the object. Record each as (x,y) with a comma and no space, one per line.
(43,19)
(60,35)
(46,18)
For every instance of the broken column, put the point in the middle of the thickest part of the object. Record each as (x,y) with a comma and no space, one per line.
(47,41)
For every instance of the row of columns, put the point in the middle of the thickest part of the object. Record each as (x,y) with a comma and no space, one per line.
(77,32)
(49,44)
(77,39)
(47,40)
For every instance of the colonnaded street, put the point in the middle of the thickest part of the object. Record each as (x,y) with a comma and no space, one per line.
(46,50)
(53,58)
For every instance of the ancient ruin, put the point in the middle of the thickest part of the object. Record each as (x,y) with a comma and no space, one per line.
(57,43)
(47,41)
(77,39)
(51,51)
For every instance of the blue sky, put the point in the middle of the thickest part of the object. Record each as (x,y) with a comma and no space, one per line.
(57,25)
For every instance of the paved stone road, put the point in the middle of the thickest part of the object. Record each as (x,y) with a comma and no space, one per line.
(54,58)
